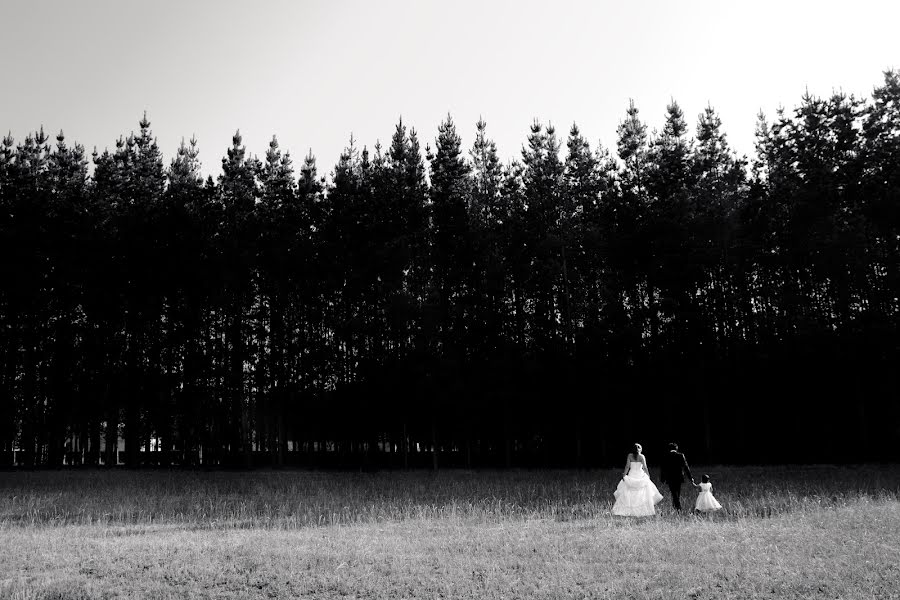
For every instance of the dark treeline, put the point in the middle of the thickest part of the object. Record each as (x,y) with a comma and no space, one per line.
(433,307)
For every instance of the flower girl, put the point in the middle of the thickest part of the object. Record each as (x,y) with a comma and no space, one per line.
(705,500)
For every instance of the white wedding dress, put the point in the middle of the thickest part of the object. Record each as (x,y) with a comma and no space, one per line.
(636,495)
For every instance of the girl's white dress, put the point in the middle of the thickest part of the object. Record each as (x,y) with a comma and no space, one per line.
(705,499)
(636,495)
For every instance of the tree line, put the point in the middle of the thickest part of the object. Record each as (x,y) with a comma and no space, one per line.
(436,307)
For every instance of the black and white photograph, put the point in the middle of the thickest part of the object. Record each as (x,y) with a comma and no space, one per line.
(482,299)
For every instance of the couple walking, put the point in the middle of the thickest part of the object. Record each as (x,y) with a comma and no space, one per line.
(636,495)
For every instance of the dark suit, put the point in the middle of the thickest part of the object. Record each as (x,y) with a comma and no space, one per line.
(674,468)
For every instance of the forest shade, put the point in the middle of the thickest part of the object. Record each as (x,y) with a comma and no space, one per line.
(447,310)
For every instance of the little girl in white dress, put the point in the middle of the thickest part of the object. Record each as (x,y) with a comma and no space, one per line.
(705,500)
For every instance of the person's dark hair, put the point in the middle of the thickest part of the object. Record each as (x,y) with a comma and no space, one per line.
(636,449)
(705,479)
(673,446)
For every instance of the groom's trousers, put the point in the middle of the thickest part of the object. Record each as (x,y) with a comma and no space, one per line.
(675,488)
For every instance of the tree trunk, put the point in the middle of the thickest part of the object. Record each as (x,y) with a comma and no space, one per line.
(111,458)
(92,454)
(240,419)
(507,436)
(434,443)
(405,443)
(578,456)
(30,403)
(7,400)
(282,432)
(132,431)
(469,447)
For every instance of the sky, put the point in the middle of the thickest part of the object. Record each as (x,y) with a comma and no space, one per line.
(315,72)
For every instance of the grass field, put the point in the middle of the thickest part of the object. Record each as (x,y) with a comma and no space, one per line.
(785,532)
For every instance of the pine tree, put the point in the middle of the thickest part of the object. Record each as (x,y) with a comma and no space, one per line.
(670,276)
(238,189)
(486,176)
(542,183)
(26,289)
(184,174)
(138,216)
(632,148)
(881,176)
(449,200)
(451,264)
(581,197)
(9,348)
(23,202)
(632,252)
(186,225)
(720,185)
(281,228)
(486,221)
(67,174)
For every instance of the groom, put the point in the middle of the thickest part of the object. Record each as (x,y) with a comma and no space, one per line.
(674,467)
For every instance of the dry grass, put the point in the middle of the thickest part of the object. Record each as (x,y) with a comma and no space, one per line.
(292,499)
(786,533)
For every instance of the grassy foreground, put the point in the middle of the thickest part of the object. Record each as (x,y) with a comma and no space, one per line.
(820,532)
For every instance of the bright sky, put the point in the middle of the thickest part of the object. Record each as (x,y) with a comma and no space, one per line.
(312,72)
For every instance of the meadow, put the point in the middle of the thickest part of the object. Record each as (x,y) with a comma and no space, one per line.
(787,531)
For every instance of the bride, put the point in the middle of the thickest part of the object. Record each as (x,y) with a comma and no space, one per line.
(636,495)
